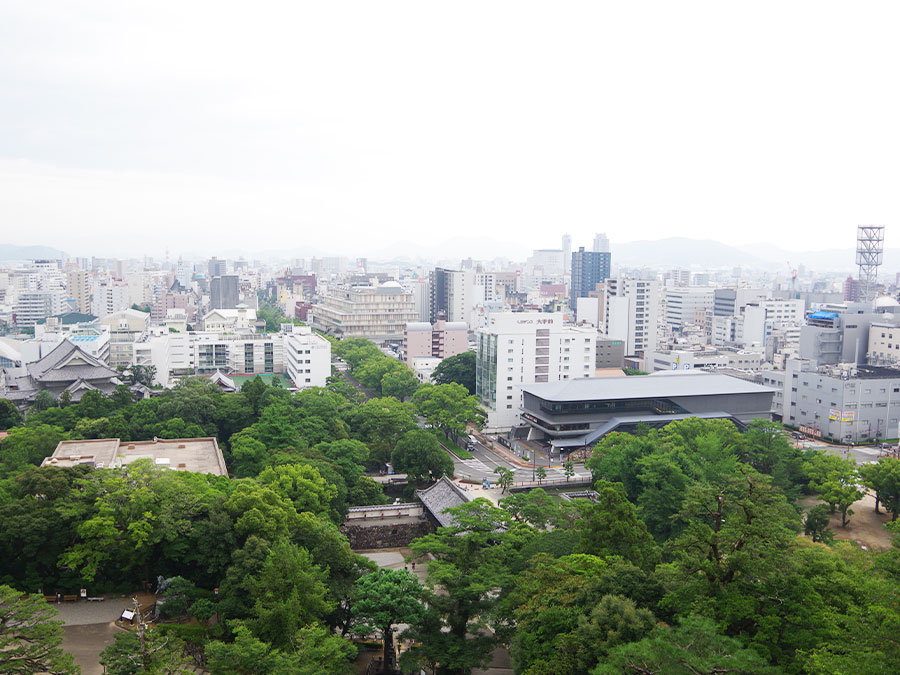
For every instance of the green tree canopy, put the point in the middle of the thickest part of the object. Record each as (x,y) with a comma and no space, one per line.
(383,599)
(610,526)
(883,477)
(419,455)
(9,414)
(448,407)
(459,369)
(694,647)
(30,638)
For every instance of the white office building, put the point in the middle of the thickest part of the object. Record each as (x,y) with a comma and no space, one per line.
(687,306)
(525,348)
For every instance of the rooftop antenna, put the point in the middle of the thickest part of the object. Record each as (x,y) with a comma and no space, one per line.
(869,255)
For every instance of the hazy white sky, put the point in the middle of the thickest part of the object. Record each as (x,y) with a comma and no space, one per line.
(127,126)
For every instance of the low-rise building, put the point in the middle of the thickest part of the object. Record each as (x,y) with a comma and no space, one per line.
(845,403)
(307,358)
(424,367)
(242,318)
(442,340)
(379,313)
(578,413)
(610,352)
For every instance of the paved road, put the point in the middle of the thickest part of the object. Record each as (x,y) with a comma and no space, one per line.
(484,461)
(85,642)
(83,613)
(862,454)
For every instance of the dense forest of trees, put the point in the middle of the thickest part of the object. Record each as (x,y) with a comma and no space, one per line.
(692,559)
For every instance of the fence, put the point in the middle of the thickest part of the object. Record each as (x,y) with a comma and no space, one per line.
(560,482)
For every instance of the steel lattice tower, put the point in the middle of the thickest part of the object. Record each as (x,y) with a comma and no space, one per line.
(869,254)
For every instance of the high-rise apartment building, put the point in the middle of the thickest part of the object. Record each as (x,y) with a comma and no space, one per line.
(78,288)
(32,306)
(601,243)
(224,292)
(109,296)
(525,348)
(451,295)
(631,307)
(588,269)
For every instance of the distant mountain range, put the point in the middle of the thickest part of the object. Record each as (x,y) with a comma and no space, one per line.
(666,253)
(13,252)
(709,254)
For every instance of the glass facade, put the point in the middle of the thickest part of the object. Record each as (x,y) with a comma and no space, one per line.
(486,369)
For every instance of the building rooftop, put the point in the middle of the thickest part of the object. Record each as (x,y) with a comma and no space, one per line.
(664,383)
(199,455)
(69,318)
(441,496)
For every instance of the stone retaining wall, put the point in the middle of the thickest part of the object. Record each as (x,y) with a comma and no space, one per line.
(388,535)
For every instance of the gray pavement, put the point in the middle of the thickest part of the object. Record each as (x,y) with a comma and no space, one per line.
(394,559)
(861,454)
(82,613)
(86,642)
(485,460)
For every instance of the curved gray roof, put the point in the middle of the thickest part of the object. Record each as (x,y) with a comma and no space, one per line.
(644,386)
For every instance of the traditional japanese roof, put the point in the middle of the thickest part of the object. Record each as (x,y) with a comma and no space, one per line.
(79,385)
(441,496)
(225,382)
(66,363)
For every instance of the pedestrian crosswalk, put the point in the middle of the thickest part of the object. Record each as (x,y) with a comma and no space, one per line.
(477,465)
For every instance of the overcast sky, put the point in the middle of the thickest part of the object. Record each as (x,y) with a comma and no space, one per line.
(129,126)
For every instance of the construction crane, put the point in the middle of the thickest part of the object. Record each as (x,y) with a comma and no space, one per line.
(793,271)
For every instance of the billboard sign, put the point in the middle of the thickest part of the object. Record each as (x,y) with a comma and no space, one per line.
(810,431)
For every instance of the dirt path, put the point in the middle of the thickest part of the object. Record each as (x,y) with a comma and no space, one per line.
(865,527)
